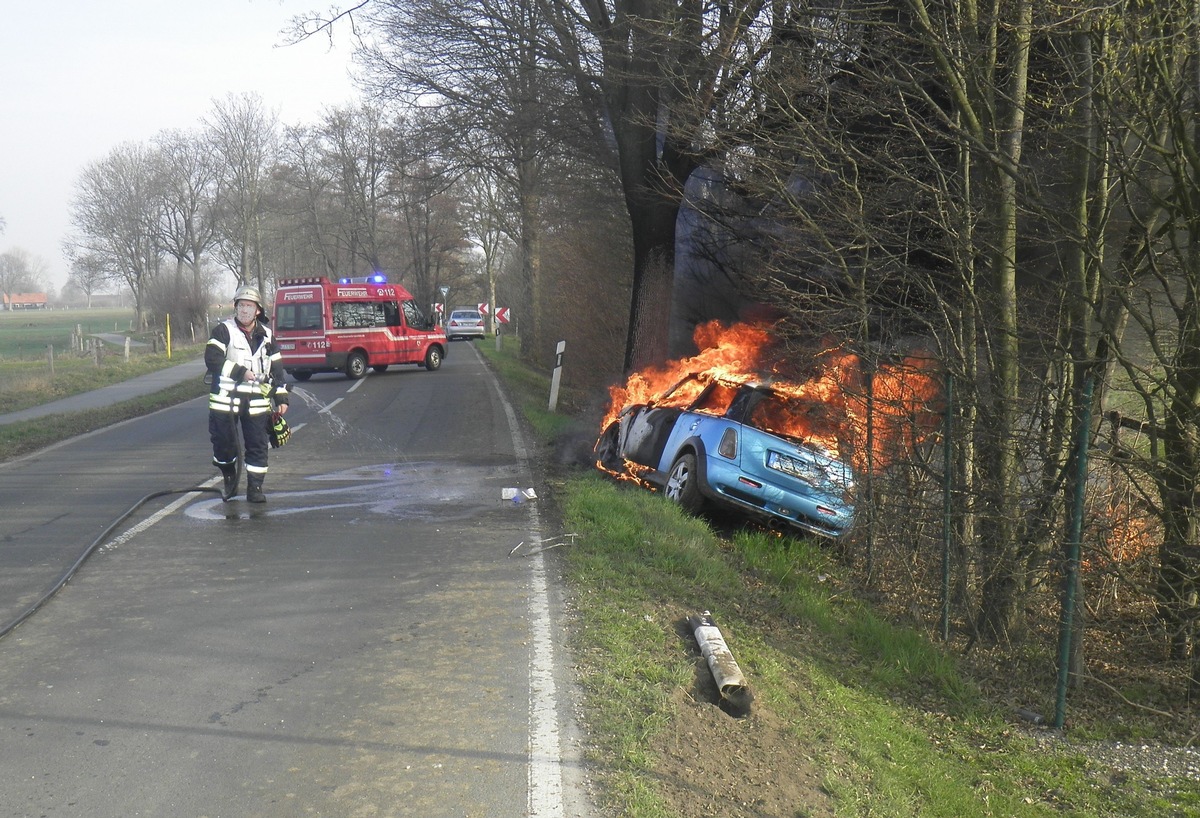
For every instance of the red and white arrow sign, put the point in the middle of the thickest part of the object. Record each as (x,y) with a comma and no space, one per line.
(483,308)
(502,314)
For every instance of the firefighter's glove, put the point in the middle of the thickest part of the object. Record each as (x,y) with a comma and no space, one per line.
(279,429)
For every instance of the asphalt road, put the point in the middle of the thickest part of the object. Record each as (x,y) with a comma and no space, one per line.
(365,643)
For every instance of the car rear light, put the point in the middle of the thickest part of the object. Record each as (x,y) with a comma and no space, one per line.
(828,512)
(749,482)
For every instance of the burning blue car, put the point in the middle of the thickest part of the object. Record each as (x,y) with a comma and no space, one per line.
(712,440)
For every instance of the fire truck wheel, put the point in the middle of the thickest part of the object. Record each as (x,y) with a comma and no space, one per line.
(380,367)
(433,359)
(356,365)
(301,374)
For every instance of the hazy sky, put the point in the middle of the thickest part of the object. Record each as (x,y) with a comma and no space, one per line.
(79,77)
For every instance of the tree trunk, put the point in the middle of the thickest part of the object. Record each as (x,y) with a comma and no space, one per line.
(1005,577)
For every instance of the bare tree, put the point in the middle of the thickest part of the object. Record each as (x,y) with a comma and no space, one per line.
(188,183)
(117,214)
(89,274)
(244,137)
(491,100)
(489,227)
(305,198)
(428,219)
(20,272)
(355,150)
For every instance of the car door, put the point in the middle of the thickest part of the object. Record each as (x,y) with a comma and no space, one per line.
(398,340)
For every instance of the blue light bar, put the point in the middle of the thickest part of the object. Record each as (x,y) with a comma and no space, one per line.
(377,278)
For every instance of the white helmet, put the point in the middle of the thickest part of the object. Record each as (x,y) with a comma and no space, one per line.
(248,293)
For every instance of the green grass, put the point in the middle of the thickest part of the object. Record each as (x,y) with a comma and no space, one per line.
(888,716)
(528,388)
(28,379)
(17,439)
(25,334)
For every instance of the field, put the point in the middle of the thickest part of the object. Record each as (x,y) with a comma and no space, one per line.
(25,334)
(28,375)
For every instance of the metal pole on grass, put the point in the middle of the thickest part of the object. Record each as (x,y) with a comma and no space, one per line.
(947,506)
(1072,563)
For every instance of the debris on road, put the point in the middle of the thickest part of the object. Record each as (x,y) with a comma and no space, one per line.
(543,545)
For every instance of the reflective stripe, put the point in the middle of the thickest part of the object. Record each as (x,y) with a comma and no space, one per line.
(230,395)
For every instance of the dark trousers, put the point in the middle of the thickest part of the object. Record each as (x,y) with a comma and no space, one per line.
(222,429)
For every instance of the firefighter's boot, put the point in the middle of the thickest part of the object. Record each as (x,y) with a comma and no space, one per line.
(230,472)
(254,492)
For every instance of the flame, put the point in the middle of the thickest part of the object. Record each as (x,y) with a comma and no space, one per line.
(829,398)
(1124,533)
(729,352)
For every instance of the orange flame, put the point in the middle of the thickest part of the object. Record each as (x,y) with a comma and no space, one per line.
(829,405)
(1124,533)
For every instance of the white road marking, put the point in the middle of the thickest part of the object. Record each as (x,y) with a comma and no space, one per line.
(545,750)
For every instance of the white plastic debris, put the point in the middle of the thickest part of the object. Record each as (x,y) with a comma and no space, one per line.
(518,495)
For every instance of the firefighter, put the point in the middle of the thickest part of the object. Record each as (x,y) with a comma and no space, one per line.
(247,375)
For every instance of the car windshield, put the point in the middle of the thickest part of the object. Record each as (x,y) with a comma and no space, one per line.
(465,316)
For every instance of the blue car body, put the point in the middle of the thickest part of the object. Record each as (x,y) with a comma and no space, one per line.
(713,448)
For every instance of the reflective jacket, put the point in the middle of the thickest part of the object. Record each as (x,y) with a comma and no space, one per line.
(230,355)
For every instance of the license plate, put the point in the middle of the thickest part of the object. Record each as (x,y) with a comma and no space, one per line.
(788,465)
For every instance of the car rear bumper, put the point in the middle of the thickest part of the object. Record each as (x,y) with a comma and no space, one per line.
(812,513)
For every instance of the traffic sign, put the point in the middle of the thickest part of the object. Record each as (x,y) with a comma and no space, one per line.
(502,314)
(483,308)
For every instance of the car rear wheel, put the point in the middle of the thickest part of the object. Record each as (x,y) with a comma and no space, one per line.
(380,367)
(356,365)
(301,374)
(433,359)
(683,484)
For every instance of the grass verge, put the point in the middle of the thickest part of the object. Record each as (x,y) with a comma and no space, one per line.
(17,439)
(880,720)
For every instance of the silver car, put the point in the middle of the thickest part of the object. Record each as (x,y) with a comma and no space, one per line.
(465,323)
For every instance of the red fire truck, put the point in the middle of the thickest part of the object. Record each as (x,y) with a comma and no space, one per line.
(349,325)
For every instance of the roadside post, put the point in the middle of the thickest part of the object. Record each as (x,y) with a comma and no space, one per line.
(557,376)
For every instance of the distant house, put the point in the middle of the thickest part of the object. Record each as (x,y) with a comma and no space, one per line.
(25,301)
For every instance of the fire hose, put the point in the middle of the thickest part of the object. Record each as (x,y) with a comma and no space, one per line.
(70,572)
